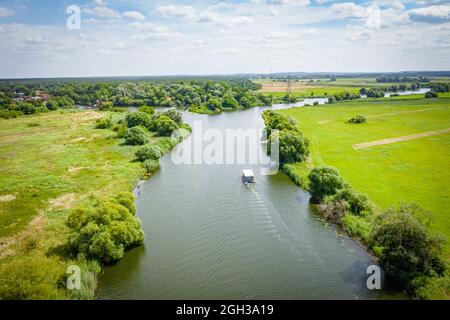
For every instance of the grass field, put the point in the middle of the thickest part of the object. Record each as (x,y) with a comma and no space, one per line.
(49,164)
(416,170)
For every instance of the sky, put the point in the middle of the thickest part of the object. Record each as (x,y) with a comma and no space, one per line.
(82,38)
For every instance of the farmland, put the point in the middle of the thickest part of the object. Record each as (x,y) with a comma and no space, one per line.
(410,171)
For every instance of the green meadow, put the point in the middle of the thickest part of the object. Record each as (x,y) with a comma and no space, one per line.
(412,171)
(50,164)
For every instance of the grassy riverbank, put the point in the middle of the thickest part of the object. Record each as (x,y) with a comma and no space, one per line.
(50,164)
(407,171)
(399,156)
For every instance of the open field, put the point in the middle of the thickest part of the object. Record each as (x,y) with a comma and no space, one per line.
(415,170)
(49,164)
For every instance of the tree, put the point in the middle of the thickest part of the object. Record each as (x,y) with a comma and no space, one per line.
(148,152)
(431,94)
(214,104)
(147,109)
(245,102)
(136,136)
(408,251)
(165,126)
(293,146)
(175,115)
(134,119)
(324,181)
(104,232)
(229,102)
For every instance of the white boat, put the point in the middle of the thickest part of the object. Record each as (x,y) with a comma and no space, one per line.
(248,176)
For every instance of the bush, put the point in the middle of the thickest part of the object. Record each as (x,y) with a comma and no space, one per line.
(104,232)
(134,119)
(357,226)
(293,146)
(9,114)
(165,126)
(274,120)
(136,136)
(175,115)
(151,166)
(333,210)
(147,109)
(358,203)
(408,251)
(106,105)
(104,123)
(148,152)
(431,94)
(358,119)
(30,278)
(121,130)
(324,181)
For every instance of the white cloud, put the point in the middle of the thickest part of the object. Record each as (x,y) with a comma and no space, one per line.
(301,3)
(100,2)
(437,13)
(102,12)
(135,15)
(150,31)
(348,10)
(186,12)
(4,12)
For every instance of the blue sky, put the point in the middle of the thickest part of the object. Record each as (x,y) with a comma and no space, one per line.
(118,37)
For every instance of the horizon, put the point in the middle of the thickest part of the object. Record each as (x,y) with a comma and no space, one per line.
(240,74)
(112,38)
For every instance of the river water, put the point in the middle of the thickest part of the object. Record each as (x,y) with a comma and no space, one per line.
(210,237)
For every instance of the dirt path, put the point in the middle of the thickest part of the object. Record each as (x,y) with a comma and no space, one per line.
(403,112)
(398,139)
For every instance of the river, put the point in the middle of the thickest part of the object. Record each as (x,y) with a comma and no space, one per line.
(210,237)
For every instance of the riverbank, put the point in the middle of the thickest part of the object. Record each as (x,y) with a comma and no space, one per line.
(51,164)
(405,165)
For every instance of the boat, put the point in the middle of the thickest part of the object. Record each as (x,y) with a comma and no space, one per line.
(248,176)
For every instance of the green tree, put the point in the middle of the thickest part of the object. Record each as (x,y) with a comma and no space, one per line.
(148,152)
(229,102)
(134,119)
(165,126)
(408,251)
(136,136)
(293,146)
(324,181)
(214,104)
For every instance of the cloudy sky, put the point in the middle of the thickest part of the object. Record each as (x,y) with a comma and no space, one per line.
(38,38)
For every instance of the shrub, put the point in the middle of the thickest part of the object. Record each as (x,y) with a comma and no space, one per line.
(121,130)
(175,115)
(151,166)
(148,152)
(9,114)
(165,126)
(358,119)
(408,251)
(30,278)
(358,203)
(136,136)
(106,105)
(147,109)
(324,181)
(134,119)
(431,94)
(293,146)
(357,226)
(333,210)
(104,232)
(104,123)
